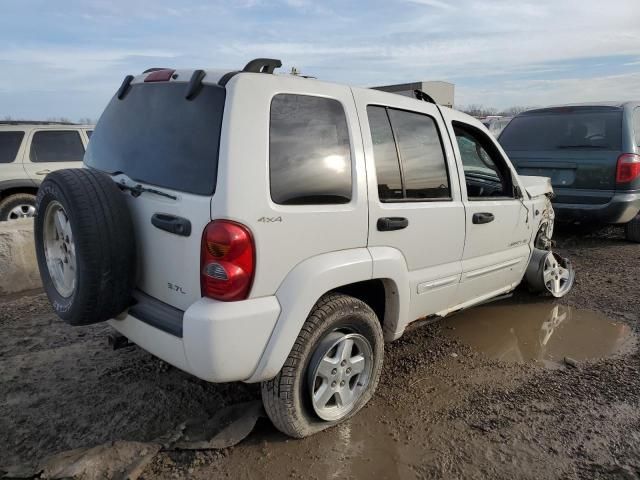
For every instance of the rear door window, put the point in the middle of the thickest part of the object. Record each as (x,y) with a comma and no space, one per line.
(385,155)
(9,145)
(408,154)
(56,146)
(309,151)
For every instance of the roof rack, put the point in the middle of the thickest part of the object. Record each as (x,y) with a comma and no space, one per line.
(258,65)
(34,122)
(262,65)
(424,96)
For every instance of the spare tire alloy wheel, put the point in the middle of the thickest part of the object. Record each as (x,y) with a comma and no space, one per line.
(59,249)
(339,374)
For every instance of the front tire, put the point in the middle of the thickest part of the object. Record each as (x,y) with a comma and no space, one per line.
(332,371)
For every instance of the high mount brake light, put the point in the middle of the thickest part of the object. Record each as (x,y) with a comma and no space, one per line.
(227,261)
(159,76)
(628,168)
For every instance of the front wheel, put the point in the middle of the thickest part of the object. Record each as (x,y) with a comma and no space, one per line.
(332,371)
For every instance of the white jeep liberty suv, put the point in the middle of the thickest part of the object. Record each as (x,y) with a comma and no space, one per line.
(248,226)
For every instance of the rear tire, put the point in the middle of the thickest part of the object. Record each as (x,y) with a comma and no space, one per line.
(632,230)
(18,205)
(84,245)
(287,398)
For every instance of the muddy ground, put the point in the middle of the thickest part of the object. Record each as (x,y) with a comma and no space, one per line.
(447,407)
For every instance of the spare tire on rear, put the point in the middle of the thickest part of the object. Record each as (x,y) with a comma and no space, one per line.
(84,245)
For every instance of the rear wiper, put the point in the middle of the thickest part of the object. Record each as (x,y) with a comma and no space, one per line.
(138,189)
(582,146)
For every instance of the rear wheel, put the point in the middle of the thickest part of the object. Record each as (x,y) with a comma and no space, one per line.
(18,205)
(632,230)
(332,370)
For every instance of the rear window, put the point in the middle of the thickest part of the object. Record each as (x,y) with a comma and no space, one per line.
(9,145)
(595,129)
(156,136)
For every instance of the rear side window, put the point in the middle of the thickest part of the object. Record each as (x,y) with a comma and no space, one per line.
(56,146)
(309,151)
(565,129)
(636,125)
(89,132)
(155,135)
(408,154)
(9,145)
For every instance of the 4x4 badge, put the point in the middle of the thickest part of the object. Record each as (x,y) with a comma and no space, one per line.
(270,219)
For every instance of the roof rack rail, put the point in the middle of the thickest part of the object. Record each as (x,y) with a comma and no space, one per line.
(35,122)
(424,96)
(262,65)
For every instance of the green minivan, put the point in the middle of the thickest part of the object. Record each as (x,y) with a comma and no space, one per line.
(591,152)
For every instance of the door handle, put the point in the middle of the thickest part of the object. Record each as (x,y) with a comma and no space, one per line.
(43,172)
(172,224)
(388,224)
(483,217)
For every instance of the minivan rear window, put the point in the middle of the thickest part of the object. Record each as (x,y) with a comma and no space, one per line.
(565,129)
(155,135)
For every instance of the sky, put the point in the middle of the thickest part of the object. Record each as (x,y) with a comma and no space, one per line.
(66,58)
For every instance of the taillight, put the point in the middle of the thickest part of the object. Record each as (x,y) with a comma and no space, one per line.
(227,261)
(628,168)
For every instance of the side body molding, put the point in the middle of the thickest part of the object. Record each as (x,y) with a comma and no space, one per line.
(297,294)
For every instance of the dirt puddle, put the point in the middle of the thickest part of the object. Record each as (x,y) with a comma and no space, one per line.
(542,333)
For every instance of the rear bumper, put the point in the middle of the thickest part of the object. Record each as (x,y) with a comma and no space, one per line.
(219,342)
(622,208)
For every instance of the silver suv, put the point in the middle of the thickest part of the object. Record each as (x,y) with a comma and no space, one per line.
(28,152)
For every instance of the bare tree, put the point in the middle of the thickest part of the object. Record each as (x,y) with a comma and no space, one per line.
(58,120)
(476,110)
(86,121)
(515,110)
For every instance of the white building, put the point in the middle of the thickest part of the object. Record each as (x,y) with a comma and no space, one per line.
(442,92)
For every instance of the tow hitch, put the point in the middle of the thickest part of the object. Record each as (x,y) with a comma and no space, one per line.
(549,272)
(117,341)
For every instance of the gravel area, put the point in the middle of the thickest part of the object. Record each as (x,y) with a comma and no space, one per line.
(442,410)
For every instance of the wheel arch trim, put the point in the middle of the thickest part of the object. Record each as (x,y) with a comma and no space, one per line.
(315,277)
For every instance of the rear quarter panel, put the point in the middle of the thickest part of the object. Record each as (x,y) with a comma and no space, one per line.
(284,235)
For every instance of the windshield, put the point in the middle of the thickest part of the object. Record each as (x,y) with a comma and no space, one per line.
(600,129)
(156,136)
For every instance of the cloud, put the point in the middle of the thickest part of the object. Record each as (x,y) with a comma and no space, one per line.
(497,52)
